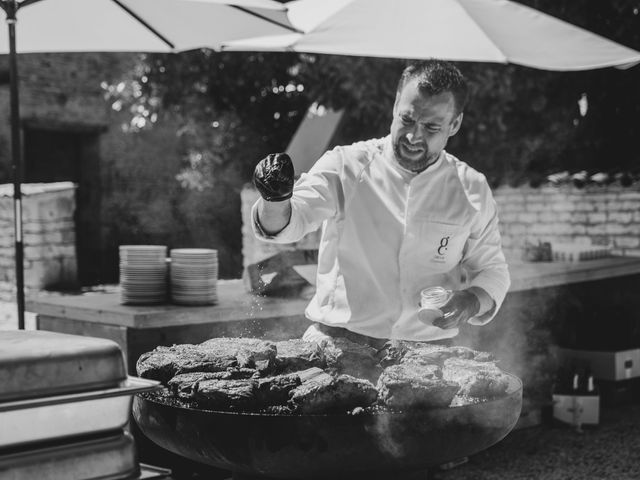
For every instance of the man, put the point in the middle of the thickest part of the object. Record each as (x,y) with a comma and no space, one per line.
(398,215)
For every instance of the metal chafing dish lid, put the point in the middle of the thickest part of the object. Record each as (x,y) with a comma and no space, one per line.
(39,363)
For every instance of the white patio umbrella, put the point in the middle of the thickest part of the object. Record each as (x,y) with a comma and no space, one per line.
(119,26)
(499,31)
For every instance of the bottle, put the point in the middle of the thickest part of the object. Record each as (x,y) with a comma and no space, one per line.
(431,299)
(591,387)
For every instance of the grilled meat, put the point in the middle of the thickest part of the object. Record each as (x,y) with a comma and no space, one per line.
(326,393)
(215,355)
(276,390)
(184,384)
(267,391)
(249,352)
(296,354)
(339,375)
(392,352)
(476,379)
(227,394)
(427,354)
(164,363)
(344,356)
(414,385)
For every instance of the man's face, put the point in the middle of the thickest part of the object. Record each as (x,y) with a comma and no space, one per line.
(421,126)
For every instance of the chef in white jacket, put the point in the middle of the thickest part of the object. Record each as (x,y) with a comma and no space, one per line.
(398,214)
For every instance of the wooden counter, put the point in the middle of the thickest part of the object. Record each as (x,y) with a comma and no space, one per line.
(529,276)
(234,304)
(140,328)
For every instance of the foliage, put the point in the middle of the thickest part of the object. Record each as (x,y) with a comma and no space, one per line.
(520,125)
(234,107)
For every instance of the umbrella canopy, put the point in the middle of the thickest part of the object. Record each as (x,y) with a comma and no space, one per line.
(460,30)
(118,26)
(140,25)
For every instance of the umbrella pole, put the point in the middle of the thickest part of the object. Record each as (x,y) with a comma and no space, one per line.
(16,153)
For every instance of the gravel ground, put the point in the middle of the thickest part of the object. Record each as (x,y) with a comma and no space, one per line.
(609,451)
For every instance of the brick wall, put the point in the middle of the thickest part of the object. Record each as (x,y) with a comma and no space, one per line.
(600,215)
(48,238)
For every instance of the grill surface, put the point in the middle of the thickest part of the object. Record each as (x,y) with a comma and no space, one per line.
(323,446)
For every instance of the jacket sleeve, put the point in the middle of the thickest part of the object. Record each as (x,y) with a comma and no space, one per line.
(316,196)
(484,261)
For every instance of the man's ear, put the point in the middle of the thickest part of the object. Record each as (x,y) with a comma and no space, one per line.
(455,124)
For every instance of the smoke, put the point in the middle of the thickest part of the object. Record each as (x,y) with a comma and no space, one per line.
(384,435)
(522,336)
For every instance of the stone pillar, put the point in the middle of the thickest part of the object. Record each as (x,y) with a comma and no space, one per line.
(48,237)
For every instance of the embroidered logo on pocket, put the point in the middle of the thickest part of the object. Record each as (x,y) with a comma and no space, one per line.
(442,250)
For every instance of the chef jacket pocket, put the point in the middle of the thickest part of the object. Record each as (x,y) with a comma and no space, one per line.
(443,244)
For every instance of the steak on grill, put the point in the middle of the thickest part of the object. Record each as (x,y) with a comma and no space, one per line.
(184,384)
(215,355)
(326,393)
(476,379)
(249,352)
(163,363)
(414,385)
(338,375)
(351,358)
(428,354)
(296,354)
(276,390)
(227,394)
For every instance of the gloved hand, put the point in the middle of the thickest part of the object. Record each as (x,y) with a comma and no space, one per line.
(273,177)
(461,307)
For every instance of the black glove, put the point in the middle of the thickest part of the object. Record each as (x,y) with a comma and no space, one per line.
(461,307)
(273,177)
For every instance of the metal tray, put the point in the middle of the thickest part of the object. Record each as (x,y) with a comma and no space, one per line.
(37,363)
(64,416)
(112,457)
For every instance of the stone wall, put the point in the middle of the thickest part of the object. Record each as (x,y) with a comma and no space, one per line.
(598,215)
(48,238)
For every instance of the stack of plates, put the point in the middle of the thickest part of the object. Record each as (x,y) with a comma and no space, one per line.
(194,276)
(143,274)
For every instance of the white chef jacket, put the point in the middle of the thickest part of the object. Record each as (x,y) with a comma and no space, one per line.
(388,233)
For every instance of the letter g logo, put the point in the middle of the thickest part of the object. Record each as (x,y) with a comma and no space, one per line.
(444,241)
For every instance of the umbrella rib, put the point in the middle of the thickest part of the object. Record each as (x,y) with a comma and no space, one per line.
(24,3)
(266,19)
(142,21)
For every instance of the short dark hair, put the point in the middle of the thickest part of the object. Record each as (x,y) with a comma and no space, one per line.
(435,77)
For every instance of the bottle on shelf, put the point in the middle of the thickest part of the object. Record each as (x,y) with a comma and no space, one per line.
(592,388)
(575,384)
